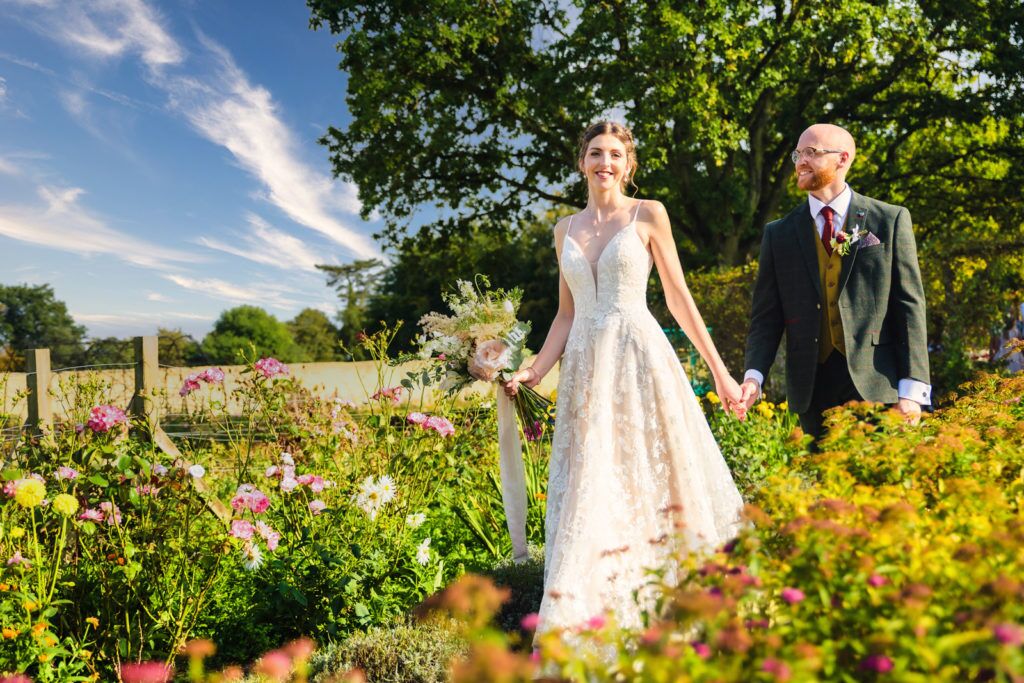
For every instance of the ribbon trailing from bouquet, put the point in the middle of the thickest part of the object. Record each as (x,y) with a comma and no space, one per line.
(513,475)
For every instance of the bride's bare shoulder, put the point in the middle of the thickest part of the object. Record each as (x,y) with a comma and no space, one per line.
(651,211)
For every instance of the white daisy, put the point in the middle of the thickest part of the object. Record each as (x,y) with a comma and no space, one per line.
(423,552)
(416,520)
(387,488)
(252,557)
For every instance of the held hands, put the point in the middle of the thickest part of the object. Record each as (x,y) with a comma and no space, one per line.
(749,393)
(525,376)
(731,395)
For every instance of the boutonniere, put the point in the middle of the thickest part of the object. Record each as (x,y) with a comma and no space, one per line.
(843,241)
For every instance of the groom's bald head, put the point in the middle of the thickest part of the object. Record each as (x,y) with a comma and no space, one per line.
(829,136)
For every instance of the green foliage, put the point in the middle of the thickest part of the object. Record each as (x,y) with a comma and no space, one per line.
(176,348)
(479,111)
(108,350)
(32,318)
(315,335)
(403,653)
(238,328)
(525,583)
(355,283)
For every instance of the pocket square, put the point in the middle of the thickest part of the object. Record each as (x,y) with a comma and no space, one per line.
(869,240)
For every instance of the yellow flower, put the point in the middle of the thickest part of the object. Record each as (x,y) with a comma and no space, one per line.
(784,406)
(17,532)
(94,621)
(65,504)
(29,605)
(766,410)
(554,395)
(29,493)
(713,397)
(10,633)
(44,657)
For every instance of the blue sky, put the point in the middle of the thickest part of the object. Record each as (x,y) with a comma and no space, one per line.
(159,164)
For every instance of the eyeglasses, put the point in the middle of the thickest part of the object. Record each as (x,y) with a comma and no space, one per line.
(811,152)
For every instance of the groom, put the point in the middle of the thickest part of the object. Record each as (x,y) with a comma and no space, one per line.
(839,275)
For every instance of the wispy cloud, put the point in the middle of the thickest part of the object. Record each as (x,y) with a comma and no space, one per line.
(3,91)
(157,296)
(260,294)
(112,28)
(62,223)
(242,117)
(8,167)
(267,245)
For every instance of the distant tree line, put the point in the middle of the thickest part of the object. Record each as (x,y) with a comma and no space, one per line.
(32,317)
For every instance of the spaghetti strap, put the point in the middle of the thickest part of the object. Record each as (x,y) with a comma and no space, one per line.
(636,212)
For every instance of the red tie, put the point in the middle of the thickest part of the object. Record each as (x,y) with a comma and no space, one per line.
(827,212)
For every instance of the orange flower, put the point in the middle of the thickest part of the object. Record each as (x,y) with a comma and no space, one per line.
(10,633)
(93,621)
(39,627)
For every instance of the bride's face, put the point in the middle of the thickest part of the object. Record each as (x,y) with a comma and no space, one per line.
(605,164)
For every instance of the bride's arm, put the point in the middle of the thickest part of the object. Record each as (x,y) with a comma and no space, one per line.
(558,333)
(680,301)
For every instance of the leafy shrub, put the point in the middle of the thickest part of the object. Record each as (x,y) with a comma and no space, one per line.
(525,583)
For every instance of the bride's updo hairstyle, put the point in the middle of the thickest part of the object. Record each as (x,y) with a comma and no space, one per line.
(624,135)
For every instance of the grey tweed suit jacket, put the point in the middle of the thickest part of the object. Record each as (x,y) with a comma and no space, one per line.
(881,302)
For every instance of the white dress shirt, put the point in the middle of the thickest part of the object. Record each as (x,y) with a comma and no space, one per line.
(908,388)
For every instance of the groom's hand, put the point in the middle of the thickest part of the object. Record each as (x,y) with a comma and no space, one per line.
(749,391)
(910,409)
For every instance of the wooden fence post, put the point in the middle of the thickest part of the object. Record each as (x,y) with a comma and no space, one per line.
(40,410)
(147,379)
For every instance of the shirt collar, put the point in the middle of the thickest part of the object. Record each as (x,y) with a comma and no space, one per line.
(841,204)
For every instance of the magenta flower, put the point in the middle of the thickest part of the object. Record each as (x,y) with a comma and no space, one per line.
(270,367)
(393,394)
(111,513)
(530,621)
(596,623)
(191,384)
(104,418)
(317,506)
(702,649)
(318,484)
(91,515)
(440,425)
(877,580)
(416,418)
(10,487)
(877,663)
(1008,633)
(534,431)
(242,529)
(16,678)
(65,473)
(248,497)
(792,595)
(779,670)
(304,479)
(145,672)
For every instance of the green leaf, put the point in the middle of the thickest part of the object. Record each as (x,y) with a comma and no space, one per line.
(98,480)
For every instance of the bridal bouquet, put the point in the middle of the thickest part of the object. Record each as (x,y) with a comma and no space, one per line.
(483,340)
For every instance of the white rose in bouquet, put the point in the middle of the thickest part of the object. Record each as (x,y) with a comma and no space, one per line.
(490,358)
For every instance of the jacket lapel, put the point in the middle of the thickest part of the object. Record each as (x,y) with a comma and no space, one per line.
(857,215)
(806,233)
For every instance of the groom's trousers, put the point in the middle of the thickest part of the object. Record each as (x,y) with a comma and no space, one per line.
(833,387)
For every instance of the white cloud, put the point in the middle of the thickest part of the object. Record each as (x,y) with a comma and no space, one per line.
(112,28)
(3,90)
(6,166)
(242,117)
(133,324)
(61,223)
(157,296)
(270,246)
(262,294)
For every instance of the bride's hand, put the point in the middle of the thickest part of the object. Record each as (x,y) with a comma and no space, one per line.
(525,376)
(729,392)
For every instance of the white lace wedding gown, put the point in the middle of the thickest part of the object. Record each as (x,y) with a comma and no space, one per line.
(633,462)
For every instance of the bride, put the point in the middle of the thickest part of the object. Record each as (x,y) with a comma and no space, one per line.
(634,465)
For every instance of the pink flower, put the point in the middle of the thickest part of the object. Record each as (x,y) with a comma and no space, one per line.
(269,535)
(65,473)
(104,418)
(249,497)
(489,358)
(10,487)
(877,580)
(702,649)
(416,418)
(191,384)
(147,490)
(212,375)
(91,514)
(275,665)
(394,394)
(792,595)
(289,484)
(272,471)
(242,529)
(318,484)
(777,669)
(1006,633)
(878,663)
(440,425)
(596,623)
(534,431)
(530,621)
(442,356)
(145,672)
(17,559)
(317,506)
(16,678)
(270,367)
(111,513)
(304,479)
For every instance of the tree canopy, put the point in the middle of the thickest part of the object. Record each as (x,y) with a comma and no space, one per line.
(240,328)
(315,335)
(32,318)
(477,107)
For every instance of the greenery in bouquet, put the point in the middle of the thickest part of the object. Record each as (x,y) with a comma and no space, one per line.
(482,340)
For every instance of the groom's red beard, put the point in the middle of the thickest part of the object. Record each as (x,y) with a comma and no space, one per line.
(817,180)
